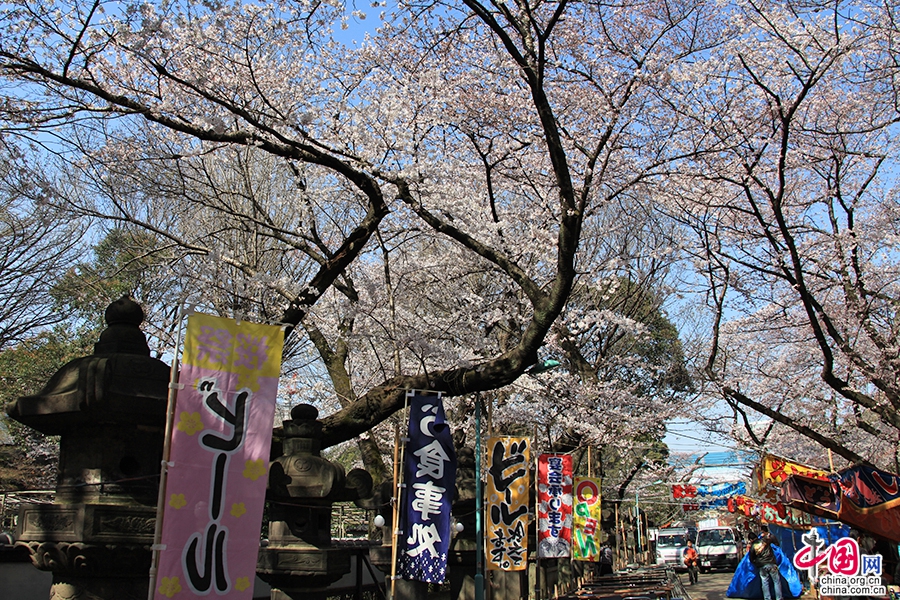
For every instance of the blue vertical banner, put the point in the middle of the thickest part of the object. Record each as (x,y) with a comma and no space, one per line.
(430,480)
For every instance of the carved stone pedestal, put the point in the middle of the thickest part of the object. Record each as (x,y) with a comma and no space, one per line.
(300,573)
(93,572)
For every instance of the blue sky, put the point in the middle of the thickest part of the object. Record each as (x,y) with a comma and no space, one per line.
(690,443)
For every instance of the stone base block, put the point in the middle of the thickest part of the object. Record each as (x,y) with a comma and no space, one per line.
(293,570)
(109,588)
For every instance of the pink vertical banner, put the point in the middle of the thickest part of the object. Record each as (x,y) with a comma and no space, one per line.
(216,487)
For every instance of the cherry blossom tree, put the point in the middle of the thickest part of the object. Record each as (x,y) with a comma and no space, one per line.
(436,207)
(37,244)
(485,137)
(793,214)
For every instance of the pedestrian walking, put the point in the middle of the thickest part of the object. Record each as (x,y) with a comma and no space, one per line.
(692,562)
(762,556)
(606,560)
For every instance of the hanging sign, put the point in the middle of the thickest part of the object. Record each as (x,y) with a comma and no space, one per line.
(767,512)
(707,496)
(507,503)
(430,479)
(586,522)
(772,471)
(717,490)
(555,505)
(216,486)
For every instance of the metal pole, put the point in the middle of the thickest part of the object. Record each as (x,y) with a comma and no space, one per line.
(637,511)
(537,521)
(479,526)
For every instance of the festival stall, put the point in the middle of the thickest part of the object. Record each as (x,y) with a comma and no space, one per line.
(860,496)
(785,521)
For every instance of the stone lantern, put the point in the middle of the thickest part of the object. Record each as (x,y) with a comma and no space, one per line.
(300,560)
(109,410)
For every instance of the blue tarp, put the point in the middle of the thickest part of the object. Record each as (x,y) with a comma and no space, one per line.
(791,539)
(746,582)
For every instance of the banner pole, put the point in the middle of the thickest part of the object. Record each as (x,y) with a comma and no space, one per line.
(537,520)
(479,525)
(395,501)
(618,558)
(398,481)
(490,420)
(167,448)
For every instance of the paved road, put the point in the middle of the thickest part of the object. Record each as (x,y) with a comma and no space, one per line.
(712,586)
(709,586)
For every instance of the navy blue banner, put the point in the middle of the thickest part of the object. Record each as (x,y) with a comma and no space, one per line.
(429,483)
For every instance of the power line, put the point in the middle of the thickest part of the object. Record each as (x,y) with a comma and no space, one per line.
(711,443)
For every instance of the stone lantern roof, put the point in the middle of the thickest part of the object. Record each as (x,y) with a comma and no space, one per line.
(119,383)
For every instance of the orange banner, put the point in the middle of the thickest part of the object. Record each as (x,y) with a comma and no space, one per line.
(507,503)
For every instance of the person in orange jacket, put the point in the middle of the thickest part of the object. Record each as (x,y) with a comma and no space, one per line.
(692,561)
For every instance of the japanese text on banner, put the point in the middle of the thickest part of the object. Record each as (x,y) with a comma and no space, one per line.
(554,505)
(507,495)
(219,457)
(586,522)
(430,476)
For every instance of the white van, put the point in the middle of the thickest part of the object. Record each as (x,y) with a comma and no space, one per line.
(719,548)
(670,545)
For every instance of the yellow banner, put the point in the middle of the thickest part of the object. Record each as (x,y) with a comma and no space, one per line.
(773,470)
(250,350)
(507,503)
(586,519)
